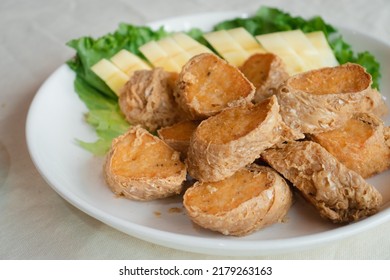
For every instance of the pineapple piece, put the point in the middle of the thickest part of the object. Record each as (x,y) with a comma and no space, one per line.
(301,52)
(105,69)
(246,40)
(222,41)
(110,74)
(227,47)
(198,50)
(185,41)
(191,46)
(234,45)
(235,58)
(158,57)
(174,51)
(117,82)
(297,40)
(275,43)
(129,62)
(319,41)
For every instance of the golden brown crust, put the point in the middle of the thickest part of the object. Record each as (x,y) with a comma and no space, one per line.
(227,142)
(386,134)
(147,99)
(249,200)
(207,84)
(360,144)
(266,71)
(324,99)
(141,166)
(339,194)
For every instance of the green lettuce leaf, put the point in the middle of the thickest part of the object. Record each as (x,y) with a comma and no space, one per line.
(344,53)
(104,115)
(268,20)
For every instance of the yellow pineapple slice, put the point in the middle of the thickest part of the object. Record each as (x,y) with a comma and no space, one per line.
(174,51)
(158,57)
(303,47)
(275,43)
(246,40)
(129,62)
(319,41)
(110,74)
(190,46)
(227,47)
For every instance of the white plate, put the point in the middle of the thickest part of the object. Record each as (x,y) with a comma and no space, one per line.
(55,120)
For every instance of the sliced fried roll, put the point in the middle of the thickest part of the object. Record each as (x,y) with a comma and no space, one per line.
(338,193)
(266,71)
(324,99)
(141,166)
(178,135)
(207,84)
(226,142)
(252,198)
(147,99)
(360,144)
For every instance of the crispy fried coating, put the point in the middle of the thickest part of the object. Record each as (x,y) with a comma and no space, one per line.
(207,84)
(147,99)
(338,193)
(227,142)
(252,198)
(324,99)
(178,135)
(360,144)
(141,166)
(266,71)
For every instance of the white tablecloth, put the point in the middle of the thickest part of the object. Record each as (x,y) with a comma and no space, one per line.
(35,222)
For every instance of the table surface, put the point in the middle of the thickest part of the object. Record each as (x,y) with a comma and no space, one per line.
(35,222)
